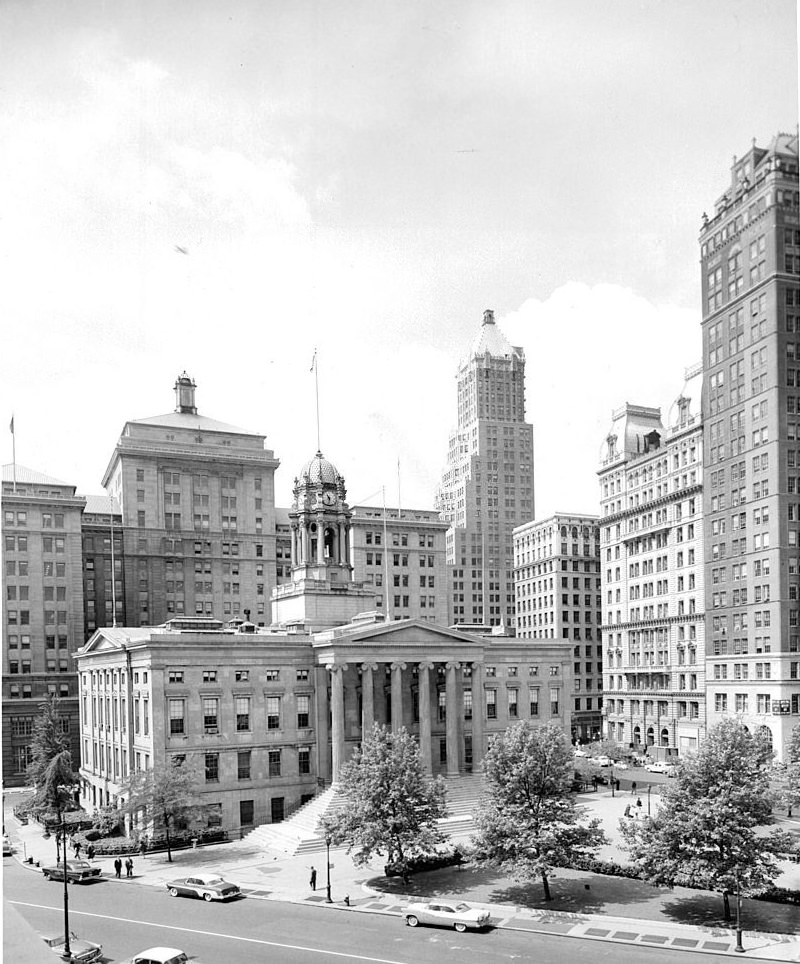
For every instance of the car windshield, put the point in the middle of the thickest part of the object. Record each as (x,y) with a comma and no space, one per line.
(213,880)
(178,959)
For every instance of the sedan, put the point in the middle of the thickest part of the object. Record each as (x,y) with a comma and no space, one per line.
(160,955)
(77,871)
(82,951)
(659,766)
(7,848)
(602,761)
(461,916)
(207,887)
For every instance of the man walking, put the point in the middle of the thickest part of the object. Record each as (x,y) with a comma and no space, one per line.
(313,880)
(129,867)
(118,866)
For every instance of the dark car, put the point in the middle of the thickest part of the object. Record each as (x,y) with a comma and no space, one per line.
(207,886)
(78,871)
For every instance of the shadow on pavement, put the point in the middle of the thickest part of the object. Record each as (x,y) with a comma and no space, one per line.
(706,910)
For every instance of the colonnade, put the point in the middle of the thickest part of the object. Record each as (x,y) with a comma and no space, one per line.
(369,670)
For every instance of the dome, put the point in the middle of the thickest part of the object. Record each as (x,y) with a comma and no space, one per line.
(319,469)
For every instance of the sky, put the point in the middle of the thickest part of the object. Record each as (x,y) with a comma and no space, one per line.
(227,187)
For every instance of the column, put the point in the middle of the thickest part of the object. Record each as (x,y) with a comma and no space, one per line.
(337,717)
(320,541)
(452,714)
(425,747)
(342,554)
(323,757)
(304,543)
(367,698)
(478,701)
(397,696)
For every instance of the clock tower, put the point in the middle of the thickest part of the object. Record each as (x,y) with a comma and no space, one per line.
(321,593)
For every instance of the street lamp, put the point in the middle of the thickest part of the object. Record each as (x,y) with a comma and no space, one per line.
(739,946)
(328,870)
(648,799)
(612,782)
(67,955)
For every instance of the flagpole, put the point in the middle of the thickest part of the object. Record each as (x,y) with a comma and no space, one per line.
(399,503)
(385,557)
(13,457)
(315,369)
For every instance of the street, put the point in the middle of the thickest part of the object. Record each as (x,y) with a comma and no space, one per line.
(126,918)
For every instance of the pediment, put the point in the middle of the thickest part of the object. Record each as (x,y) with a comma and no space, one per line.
(401,636)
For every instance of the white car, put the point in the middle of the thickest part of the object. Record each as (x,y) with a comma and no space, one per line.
(579,752)
(446,914)
(160,955)
(619,765)
(80,951)
(660,766)
(603,761)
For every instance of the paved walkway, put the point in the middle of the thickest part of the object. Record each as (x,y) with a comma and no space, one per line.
(584,905)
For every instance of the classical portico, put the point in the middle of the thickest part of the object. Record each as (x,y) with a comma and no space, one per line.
(402,674)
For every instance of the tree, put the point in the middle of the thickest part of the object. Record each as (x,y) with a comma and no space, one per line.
(48,741)
(787,773)
(707,830)
(389,805)
(527,819)
(166,795)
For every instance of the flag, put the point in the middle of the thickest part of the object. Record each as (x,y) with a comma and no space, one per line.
(313,361)
(11,426)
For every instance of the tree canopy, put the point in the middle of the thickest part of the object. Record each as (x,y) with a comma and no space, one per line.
(388,804)
(527,819)
(164,795)
(51,770)
(708,828)
(787,773)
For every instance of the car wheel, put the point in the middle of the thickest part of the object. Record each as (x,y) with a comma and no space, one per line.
(412,921)
(173,892)
(207,896)
(460,927)
(46,875)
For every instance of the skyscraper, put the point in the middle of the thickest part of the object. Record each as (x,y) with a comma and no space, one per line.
(750,257)
(197,503)
(487,486)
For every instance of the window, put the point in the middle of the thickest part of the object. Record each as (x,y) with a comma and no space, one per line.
(513,703)
(243,765)
(242,675)
(304,759)
(272,675)
(274,763)
(303,710)
(209,676)
(491,704)
(273,712)
(177,721)
(175,676)
(212,767)
(242,707)
(210,714)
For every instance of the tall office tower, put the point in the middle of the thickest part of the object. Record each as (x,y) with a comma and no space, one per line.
(557,589)
(651,565)
(197,502)
(750,256)
(487,486)
(401,555)
(103,564)
(43,609)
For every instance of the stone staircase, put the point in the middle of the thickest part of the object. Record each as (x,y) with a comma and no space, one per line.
(298,834)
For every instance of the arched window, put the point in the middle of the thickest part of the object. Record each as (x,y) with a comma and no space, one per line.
(664,736)
(637,735)
(766,732)
(651,736)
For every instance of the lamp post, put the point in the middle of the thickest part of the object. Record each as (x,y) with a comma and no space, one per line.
(648,799)
(612,782)
(328,870)
(67,955)
(739,946)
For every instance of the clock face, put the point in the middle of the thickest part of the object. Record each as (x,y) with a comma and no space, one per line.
(328,498)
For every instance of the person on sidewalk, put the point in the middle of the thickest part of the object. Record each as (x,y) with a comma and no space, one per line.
(118,867)
(129,867)
(313,880)
(633,789)
(90,852)
(77,849)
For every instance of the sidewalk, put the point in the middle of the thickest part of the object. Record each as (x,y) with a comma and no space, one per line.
(584,905)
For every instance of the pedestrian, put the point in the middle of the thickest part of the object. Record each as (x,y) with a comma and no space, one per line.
(594,782)
(143,847)
(313,880)
(77,849)
(627,809)
(118,866)
(638,801)
(90,852)
(129,867)
(617,787)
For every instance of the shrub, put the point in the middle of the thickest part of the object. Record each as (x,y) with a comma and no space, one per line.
(451,857)
(779,895)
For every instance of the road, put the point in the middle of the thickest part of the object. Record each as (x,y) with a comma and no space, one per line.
(127,918)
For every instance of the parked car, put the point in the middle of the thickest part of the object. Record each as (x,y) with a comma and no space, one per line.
(78,871)
(579,752)
(621,765)
(203,885)
(7,849)
(661,766)
(160,955)
(603,761)
(445,914)
(81,951)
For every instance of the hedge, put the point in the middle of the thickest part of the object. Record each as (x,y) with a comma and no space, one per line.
(451,857)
